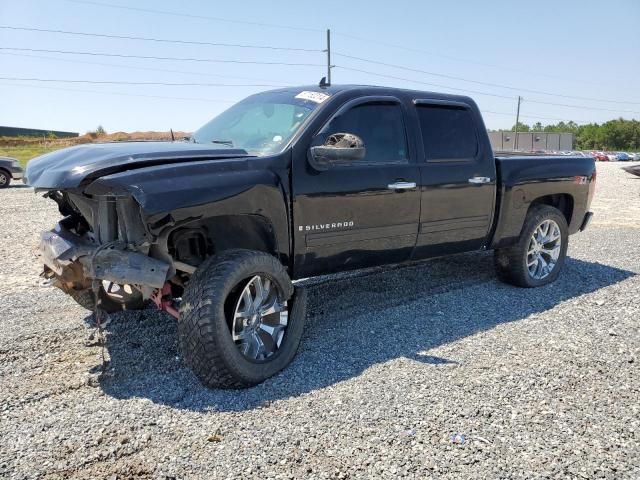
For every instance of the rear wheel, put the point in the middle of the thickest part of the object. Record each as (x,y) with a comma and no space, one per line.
(538,256)
(240,319)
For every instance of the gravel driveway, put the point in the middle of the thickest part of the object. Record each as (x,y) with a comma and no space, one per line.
(433,370)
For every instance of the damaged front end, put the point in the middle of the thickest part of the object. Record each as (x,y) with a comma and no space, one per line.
(118,202)
(103,239)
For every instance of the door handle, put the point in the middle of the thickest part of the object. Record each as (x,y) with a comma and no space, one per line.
(478,180)
(401,185)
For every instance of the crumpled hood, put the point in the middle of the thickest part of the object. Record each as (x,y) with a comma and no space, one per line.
(71,167)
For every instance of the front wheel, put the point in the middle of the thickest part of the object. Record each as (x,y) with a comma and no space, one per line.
(538,256)
(240,319)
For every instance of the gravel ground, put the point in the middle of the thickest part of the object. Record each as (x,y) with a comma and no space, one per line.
(433,370)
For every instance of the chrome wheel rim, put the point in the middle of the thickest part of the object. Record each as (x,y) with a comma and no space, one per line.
(544,249)
(260,319)
(3,179)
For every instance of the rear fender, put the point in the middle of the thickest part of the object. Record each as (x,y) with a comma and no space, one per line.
(524,184)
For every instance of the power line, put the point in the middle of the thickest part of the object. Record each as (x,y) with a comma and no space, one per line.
(199,17)
(535,117)
(197,99)
(133,67)
(289,27)
(581,107)
(162,40)
(212,100)
(151,57)
(457,59)
(488,84)
(215,18)
(476,92)
(114,82)
(190,98)
(439,85)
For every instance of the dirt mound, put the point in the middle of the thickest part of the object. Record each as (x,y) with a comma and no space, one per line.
(91,137)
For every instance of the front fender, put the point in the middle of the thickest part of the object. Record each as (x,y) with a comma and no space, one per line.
(171,195)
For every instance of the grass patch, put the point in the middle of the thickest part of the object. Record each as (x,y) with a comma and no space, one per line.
(26,148)
(24,153)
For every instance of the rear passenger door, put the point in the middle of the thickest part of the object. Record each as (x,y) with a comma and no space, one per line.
(457,177)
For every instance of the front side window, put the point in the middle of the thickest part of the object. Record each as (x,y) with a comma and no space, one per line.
(261,124)
(448,132)
(379,125)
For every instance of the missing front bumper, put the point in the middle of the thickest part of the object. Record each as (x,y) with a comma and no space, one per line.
(64,252)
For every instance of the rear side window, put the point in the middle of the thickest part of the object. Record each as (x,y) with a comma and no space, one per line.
(448,132)
(381,128)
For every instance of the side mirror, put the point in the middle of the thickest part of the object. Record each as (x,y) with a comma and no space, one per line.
(338,149)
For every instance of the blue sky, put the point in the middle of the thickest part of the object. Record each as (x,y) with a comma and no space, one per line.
(583,49)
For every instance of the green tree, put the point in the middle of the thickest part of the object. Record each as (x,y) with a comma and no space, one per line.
(98,132)
(586,137)
(522,127)
(614,135)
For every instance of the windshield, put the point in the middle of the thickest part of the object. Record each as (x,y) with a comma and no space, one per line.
(261,124)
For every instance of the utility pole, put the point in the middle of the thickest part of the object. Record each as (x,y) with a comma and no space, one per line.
(328,50)
(517,122)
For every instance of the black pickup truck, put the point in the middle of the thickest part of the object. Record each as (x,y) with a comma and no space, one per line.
(289,184)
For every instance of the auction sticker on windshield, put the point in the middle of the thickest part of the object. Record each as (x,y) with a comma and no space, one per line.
(317,97)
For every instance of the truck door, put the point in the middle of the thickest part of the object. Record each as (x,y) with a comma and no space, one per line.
(458,177)
(364,212)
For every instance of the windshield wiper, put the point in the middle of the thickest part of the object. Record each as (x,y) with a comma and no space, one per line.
(223,142)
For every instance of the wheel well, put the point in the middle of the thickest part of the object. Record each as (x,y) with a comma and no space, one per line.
(561,201)
(4,170)
(194,242)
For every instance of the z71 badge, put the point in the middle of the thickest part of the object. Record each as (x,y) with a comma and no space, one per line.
(325,226)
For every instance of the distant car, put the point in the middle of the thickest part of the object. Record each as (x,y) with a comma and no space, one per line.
(623,156)
(578,154)
(634,156)
(612,157)
(600,156)
(10,169)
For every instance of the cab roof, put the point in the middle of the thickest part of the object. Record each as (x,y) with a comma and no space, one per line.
(375,89)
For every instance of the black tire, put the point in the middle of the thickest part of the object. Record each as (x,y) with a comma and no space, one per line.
(5,178)
(511,262)
(203,328)
(86,299)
